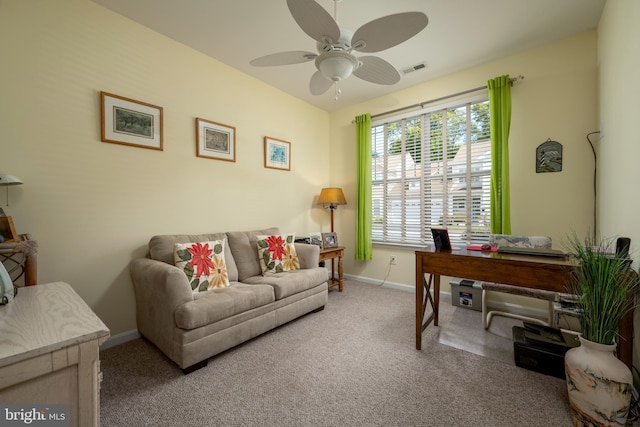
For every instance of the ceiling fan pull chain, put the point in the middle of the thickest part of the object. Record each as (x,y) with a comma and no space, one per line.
(337,90)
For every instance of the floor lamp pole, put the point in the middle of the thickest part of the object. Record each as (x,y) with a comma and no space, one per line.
(332,208)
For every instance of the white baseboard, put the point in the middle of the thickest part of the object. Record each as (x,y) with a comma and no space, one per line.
(495,305)
(399,286)
(120,338)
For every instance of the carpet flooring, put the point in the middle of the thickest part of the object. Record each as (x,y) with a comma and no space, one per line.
(352,364)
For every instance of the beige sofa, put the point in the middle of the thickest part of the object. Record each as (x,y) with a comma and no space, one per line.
(191,327)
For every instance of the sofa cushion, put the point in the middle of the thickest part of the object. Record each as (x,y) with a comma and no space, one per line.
(245,253)
(291,282)
(161,248)
(218,304)
(277,253)
(203,263)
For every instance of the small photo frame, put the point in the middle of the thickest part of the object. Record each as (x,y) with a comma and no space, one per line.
(129,122)
(277,154)
(441,239)
(8,230)
(329,240)
(315,238)
(215,140)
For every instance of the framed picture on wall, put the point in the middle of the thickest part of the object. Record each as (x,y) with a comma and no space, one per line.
(329,240)
(129,122)
(277,154)
(215,140)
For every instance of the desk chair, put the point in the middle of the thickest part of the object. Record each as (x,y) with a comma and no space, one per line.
(550,296)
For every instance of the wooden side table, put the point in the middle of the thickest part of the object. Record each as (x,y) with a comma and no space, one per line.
(21,259)
(332,253)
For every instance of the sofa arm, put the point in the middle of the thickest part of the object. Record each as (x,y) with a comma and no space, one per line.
(159,289)
(308,255)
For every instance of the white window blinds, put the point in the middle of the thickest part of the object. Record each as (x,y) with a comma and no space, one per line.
(432,169)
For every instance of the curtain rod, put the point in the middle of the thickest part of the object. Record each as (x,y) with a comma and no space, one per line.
(431,101)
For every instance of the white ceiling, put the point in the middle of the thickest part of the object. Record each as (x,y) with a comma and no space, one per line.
(460,34)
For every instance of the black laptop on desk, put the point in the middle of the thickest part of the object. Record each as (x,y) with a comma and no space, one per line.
(532,251)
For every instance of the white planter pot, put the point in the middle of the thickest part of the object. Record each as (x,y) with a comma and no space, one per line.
(599,385)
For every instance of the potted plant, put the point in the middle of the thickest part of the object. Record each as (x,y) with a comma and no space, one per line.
(598,383)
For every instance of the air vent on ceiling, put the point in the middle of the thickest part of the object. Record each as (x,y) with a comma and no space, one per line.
(415,67)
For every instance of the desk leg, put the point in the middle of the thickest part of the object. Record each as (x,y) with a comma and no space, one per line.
(419,302)
(436,298)
(423,299)
(625,342)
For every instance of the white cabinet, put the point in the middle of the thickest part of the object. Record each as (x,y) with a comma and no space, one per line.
(49,351)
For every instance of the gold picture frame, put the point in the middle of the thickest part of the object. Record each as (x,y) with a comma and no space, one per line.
(8,230)
(277,154)
(126,121)
(215,140)
(329,240)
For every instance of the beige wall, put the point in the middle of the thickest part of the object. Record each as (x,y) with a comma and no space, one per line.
(557,100)
(619,148)
(93,206)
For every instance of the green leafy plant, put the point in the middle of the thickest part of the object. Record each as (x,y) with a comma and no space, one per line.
(605,287)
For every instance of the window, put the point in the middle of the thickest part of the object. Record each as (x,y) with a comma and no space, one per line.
(419,182)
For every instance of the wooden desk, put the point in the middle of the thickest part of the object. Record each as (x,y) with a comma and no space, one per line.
(331,253)
(528,271)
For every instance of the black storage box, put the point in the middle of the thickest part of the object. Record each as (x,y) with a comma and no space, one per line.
(541,348)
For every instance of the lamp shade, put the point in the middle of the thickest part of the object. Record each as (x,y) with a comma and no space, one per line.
(332,197)
(9,179)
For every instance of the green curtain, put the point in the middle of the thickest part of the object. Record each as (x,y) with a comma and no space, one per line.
(364,245)
(500,110)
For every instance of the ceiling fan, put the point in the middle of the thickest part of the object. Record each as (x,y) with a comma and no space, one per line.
(335,60)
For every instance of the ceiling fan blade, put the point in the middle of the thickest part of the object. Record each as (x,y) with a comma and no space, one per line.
(284,58)
(319,84)
(377,70)
(314,20)
(388,31)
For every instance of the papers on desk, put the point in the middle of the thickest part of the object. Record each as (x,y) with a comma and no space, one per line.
(532,251)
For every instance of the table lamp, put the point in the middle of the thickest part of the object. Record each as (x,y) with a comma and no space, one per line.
(331,198)
(7,180)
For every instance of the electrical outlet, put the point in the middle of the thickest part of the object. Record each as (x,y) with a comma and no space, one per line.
(393,260)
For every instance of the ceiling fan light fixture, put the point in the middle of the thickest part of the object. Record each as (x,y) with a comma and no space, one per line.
(336,66)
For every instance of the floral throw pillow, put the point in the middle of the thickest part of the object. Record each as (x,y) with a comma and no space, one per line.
(203,263)
(277,253)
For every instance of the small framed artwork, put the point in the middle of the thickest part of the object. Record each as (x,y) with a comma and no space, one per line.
(441,239)
(7,229)
(329,240)
(315,238)
(549,157)
(277,154)
(129,122)
(215,140)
